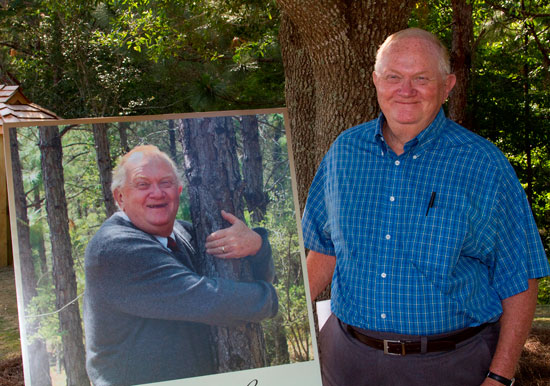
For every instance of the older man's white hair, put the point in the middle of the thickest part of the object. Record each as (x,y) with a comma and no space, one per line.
(440,49)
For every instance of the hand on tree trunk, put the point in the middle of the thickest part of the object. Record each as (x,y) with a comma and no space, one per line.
(234,242)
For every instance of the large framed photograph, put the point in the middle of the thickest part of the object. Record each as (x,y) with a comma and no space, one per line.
(159,249)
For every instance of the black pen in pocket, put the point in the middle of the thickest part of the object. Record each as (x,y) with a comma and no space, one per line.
(431,203)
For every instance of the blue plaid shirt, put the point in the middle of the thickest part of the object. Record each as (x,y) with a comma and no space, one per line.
(403,265)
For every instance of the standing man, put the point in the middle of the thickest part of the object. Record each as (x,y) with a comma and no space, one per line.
(146,310)
(427,236)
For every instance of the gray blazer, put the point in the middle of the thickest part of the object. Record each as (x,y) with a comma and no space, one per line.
(147,313)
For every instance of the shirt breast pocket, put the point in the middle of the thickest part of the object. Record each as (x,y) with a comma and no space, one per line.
(436,241)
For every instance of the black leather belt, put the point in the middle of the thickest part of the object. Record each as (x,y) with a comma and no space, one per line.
(404,347)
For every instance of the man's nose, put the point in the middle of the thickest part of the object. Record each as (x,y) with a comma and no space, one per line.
(156,191)
(407,87)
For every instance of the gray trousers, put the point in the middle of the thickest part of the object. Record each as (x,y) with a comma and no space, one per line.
(345,361)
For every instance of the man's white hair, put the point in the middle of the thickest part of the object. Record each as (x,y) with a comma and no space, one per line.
(442,52)
(136,154)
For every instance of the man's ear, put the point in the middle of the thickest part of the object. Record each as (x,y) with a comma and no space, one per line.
(117,195)
(450,82)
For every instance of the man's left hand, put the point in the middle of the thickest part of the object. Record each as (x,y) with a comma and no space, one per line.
(234,242)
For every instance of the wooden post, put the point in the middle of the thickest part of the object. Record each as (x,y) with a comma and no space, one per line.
(6,257)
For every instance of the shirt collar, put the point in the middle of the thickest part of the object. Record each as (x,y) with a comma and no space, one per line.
(161,239)
(423,141)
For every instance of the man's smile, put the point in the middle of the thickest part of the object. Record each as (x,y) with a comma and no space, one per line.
(157,206)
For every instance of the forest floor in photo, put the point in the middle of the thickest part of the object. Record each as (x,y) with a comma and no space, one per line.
(533,369)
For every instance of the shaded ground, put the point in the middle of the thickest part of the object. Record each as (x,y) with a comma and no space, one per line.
(11,369)
(9,327)
(534,367)
(11,372)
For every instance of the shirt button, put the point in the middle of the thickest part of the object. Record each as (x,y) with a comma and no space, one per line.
(383,316)
(383,275)
(397,163)
(392,198)
(388,237)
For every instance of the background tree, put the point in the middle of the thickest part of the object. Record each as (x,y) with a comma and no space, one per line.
(461,60)
(62,263)
(36,205)
(105,167)
(39,369)
(290,325)
(328,53)
(215,184)
(256,199)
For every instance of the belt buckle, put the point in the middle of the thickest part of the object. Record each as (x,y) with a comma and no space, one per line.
(386,341)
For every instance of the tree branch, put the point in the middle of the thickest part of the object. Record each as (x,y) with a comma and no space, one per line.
(542,48)
(514,12)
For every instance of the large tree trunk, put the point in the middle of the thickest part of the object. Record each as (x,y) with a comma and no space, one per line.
(104,165)
(328,49)
(39,368)
(299,94)
(62,262)
(461,60)
(212,170)
(256,199)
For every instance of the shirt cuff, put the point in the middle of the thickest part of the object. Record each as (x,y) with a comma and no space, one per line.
(262,262)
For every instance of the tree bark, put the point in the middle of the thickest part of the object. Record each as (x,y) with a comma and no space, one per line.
(328,49)
(39,368)
(173,141)
(300,96)
(461,60)
(104,165)
(122,127)
(212,170)
(256,199)
(62,262)
(40,243)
